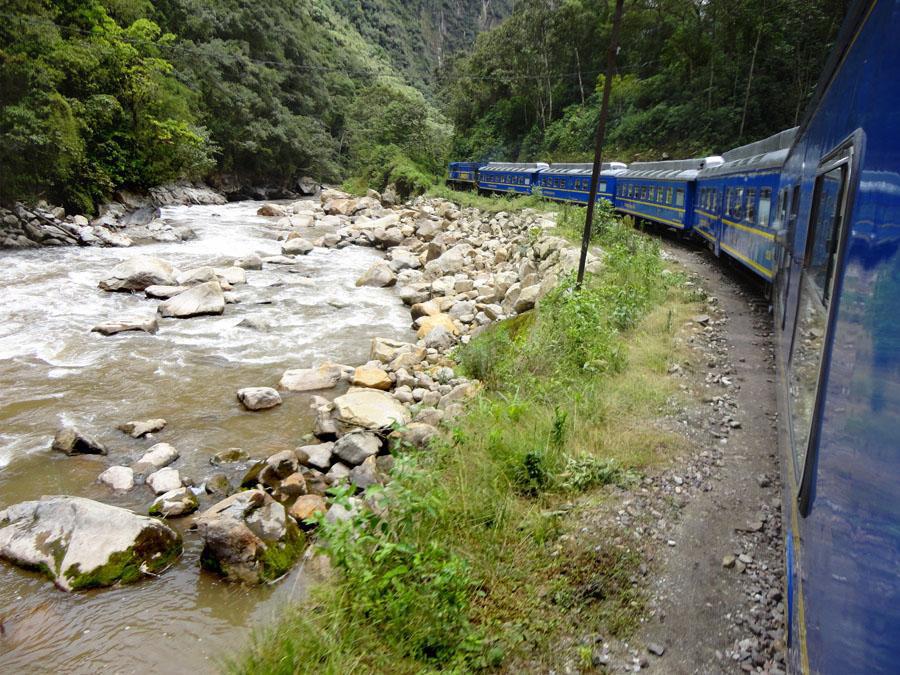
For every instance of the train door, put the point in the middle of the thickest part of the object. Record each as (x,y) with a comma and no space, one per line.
(816,300)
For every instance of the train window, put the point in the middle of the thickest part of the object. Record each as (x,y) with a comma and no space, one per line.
(751,206)
(824,244)
(679,197)
(668,195)
(765,206)
(601,187)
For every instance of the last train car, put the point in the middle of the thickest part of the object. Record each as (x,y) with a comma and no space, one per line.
(509,177)
(734,203)
(463,175)
(572,182)
(837,315)
(661,192)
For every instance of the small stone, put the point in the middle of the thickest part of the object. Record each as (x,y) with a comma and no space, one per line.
(306,507)
(164,480)
(744,558)
(178,502)
(728,561)
(656,649)
(118,478)
(138,429)
(259,398)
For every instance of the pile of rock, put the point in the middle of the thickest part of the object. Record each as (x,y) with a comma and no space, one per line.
(131,218)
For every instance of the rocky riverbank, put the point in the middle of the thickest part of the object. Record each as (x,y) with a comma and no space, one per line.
(129,219)
(458,271)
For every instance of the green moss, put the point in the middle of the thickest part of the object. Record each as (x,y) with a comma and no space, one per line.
(125,567)
(278,558)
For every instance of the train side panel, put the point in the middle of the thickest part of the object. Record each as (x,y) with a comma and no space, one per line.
(746,232)
(667,202)
(837,303)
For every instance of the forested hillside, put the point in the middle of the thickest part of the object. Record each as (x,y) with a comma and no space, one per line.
(98,94)
(694,77)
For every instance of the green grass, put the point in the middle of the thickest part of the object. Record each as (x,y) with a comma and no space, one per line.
(469,567)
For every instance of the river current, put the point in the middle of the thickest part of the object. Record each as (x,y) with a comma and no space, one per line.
(53,370)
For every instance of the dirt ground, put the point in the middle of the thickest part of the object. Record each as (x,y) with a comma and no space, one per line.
(716,595)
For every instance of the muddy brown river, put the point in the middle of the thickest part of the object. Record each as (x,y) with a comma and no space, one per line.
(53,370)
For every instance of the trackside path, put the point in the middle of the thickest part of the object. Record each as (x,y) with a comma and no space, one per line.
(716,600)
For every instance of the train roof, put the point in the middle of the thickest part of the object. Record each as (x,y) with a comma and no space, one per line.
(585,169)
(670,169)
(769,153)
(513,166)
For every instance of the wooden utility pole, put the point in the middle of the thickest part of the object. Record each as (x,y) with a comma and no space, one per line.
(599,138)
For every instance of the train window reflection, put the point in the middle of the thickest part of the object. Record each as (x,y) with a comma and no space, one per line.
(814,299)
(751,206)
(679,197)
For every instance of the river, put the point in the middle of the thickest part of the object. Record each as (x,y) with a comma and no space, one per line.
(53,370)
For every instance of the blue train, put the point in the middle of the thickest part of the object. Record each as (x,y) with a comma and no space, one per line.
(815,212)
(572,182)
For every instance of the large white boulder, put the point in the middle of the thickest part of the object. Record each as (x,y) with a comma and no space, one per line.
(370,409)
(139,272)
(80,543)
(206,298)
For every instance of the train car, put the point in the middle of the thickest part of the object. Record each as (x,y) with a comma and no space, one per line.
(837,300)
(509,177)
(463,175)
(734,202)
(662,192)
(572,182)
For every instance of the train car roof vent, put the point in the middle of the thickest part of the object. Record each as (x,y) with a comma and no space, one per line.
(710,162)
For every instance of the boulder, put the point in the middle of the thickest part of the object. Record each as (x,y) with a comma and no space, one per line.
(290,488)
(297,246)
(369,409)
(178,502)
(164,292)
(378,275)
(439,338)
(338,473)
(80,543)
(206,298)
(249,262)
(249,538)
(403,259)
(164,480)
(429,323)
(306,507)
(118,478)
(416,434)
(272,210)
(234,276)
(137,429)
(355,447)
(366,474)
(157,457)
(386,350)
(318,456)
(73,441)
(369,376)
(218,485)
(150,325)
(527,298)
(258,398)
(139,272)
(197,275)
(229,456)
(325,376)
(450,261)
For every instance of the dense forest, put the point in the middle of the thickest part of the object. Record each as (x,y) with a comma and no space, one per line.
(693,76)
(100,94)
